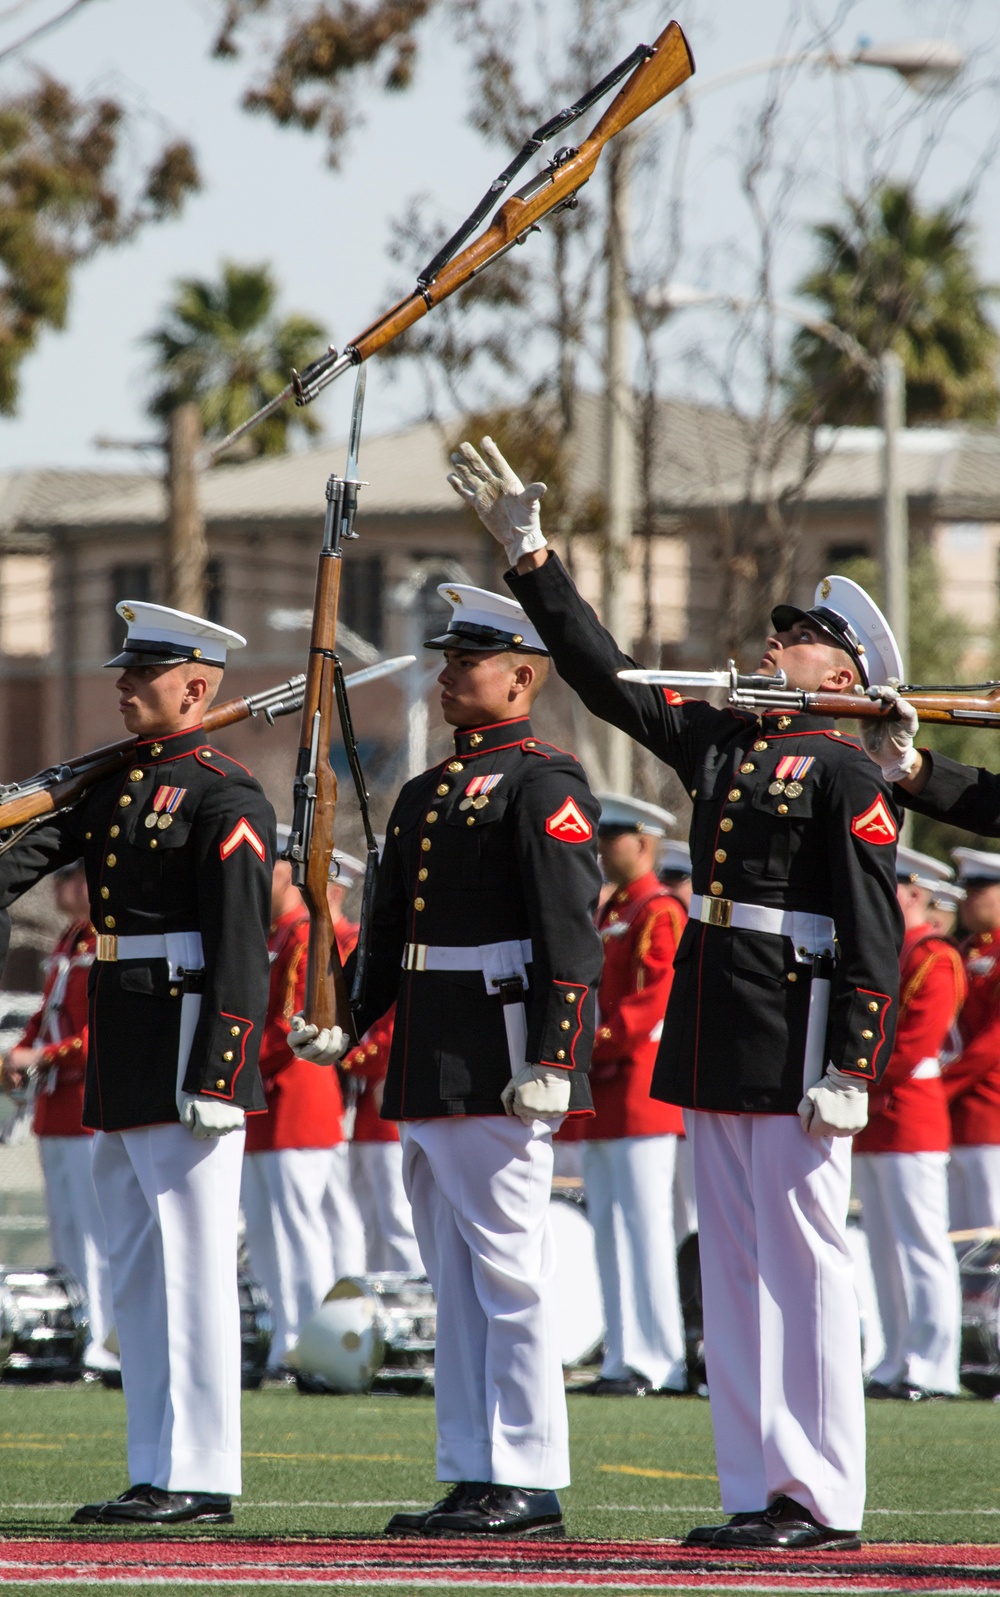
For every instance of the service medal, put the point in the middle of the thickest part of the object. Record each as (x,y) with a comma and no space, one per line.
(480,803)
(151,819)
(776,788)
(793,789)
(163,821)
(466,804)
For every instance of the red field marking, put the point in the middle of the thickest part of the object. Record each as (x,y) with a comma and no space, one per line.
(878,1567)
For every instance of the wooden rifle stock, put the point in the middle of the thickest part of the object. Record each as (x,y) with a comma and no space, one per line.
(976,706)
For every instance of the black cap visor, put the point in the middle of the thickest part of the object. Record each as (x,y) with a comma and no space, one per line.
(475,639)
(835,628)
(153,653)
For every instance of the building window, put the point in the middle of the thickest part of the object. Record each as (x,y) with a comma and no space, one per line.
(131,581)
(361,597)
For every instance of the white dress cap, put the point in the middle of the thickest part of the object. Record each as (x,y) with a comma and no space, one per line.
(485,621)
(619,813)
(157,635)
(852,618)
(948,896)
(976,865)
(675,858)
(920,870)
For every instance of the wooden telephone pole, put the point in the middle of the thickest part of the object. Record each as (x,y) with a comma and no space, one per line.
(187,550)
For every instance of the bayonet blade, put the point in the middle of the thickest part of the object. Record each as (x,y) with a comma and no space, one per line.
(357,410)
(383,668)
(677,679)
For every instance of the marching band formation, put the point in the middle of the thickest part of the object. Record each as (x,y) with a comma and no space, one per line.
(553,983)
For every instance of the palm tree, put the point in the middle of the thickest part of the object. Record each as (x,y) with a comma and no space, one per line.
(896,277)
(223,346)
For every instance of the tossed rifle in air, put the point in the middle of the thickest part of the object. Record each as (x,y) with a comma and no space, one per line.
(976,704)
(656,70)
(24,804)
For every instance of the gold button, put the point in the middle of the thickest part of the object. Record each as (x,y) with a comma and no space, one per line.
(206,754)
(432,816)
(220,1084)
(862,1063)
(476,739)
(453,766)
(747,767)
(234,1031)
(418,903)
(113,832)
(564,1025)
(88,836)
(560,1053)
(125,801)
(196,654)
(471,821)
(759,746)
(443,788)
(726,825)
(734,794)
(716,888)
(837,734)
(721,855)
(112,860)
(395,831)
(156,749)
(605,1033)
(105,892)
(136,775)
(423,874)
(784,722)
(782,809)
(873,1008)
(109,921)
(425,844)
(228,1056)
(153,843)
(868,1035)
(571,998)
(175,992)
(792,976)
(517,638)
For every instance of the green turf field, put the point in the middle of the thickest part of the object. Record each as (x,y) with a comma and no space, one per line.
(641,1467)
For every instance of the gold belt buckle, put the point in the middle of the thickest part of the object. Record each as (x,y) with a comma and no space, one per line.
(107,948)
(416,956)
(717,911)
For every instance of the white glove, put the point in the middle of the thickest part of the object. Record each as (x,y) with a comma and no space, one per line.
(207,1117)
(537,1093)
(319,1047)
(836,1107)
(499,498)
(889,742)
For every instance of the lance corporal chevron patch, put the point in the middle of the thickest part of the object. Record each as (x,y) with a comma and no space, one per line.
(569,824)
(875,824)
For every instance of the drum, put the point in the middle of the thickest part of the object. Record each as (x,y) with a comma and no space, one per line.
(404,1323)
(49,1326)
(578,1285)
(979,1273)
(256,1331)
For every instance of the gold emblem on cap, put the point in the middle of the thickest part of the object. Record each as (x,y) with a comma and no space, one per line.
(456,598)
(126,613)
(824,588)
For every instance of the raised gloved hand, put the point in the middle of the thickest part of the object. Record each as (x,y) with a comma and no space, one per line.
(208,1117)
(499,498)
(537,1093)
(836,1107)
(320,1047)
(889,742)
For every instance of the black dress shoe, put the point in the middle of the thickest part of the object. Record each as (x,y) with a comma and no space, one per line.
(787,1526)
(906,1392)
(514,1511)
(877,1390)
(413,1524)
(616,1386)
(90,1513)
(704,1535)
(156,1507)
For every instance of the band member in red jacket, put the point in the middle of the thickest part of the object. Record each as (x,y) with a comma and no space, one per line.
(972,1076)
(901,1160)
(630,1143)
(377,1158)
(51,1058)
(674,871)
(290,1162)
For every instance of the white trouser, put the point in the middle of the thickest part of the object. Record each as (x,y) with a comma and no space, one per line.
(76,1232)
(974,1187)
(377,1180)
(782,1335)
(171,1209)
(685,1203)
(479,1186)
(342,1217)
(904,1199)
(629,1184)
(287,1237)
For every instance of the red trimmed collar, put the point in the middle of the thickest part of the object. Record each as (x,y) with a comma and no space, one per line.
(172,746)
(497,735)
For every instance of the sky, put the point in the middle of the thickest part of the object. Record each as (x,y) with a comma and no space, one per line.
(269,196)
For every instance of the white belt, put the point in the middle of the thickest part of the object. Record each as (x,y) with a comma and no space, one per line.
(181,950)
(487,957)
(927,1070)
(811,934)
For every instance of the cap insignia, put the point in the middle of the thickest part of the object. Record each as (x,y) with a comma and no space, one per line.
(824,588)
(126,613)
(455,598)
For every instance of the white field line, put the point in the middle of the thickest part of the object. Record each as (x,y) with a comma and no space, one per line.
(594,1508)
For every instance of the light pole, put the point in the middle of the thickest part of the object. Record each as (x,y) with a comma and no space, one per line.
(886,377)
(927,66)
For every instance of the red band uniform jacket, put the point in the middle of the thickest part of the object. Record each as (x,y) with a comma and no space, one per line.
(520,866)
(367,1066)
(59,1029)
(734,1035)
(304,1104)
(641,927)
(203,865)
(908,1110)
(971,1078)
